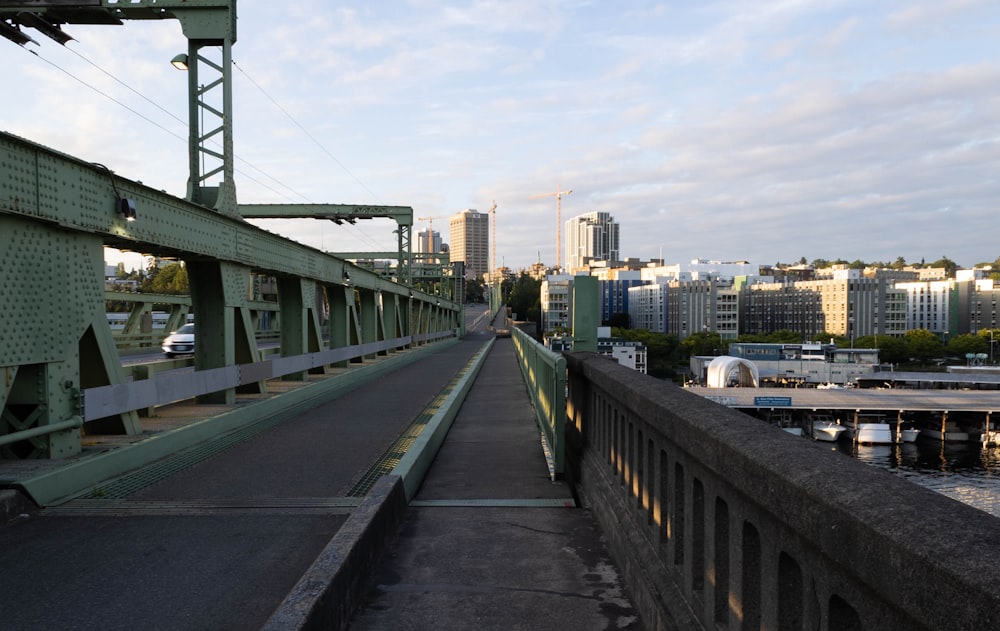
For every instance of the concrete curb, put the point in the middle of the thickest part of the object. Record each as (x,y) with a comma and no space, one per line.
(329,592)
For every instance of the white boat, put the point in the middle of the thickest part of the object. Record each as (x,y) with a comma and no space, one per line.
(908,435)
(952,433)
(827,431)
(874,434)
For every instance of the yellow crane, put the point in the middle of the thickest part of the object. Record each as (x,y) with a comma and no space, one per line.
(558,195)
(430,220)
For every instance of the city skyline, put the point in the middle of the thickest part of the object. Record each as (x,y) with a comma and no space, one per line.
(767,131)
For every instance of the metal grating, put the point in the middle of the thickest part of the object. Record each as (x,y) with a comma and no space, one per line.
(130,483)
(394,453)
(120,507)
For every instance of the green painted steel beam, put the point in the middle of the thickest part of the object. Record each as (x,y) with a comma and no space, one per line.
(333,212)
(200,19)
(42,185)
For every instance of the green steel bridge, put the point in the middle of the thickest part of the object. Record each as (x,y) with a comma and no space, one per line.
(716,520)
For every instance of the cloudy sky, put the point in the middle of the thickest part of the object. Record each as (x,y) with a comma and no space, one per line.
(720,129)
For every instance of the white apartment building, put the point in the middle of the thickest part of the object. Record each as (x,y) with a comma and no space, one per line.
(592,236)
(928,304)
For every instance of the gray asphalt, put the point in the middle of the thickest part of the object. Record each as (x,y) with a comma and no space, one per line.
(218,545)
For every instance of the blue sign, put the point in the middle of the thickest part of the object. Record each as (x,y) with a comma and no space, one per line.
(772,402)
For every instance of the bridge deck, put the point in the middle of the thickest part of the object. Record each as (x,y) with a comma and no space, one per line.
(218,541)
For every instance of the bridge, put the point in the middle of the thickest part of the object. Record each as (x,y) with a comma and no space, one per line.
(381,460)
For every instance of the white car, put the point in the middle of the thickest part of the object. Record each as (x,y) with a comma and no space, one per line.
(180,342)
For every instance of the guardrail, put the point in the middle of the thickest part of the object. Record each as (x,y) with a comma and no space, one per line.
(720,521)
(154,389)
(545,375)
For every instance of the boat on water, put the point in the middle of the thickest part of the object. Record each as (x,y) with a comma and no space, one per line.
(952,433)
(827,431)
(874,434)
(908,435)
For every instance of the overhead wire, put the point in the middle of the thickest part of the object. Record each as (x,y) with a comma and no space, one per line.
(156,124)
(322,148)
(150,120)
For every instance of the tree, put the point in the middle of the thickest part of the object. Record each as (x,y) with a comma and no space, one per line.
(784,336)
(703,343)
(661,349)
(525,298)
(170,279)
(618,320)
(961,345)
(474,290)
(892,350)
(922,345)
(899,264)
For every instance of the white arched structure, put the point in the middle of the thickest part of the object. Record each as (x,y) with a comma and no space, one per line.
(721,368)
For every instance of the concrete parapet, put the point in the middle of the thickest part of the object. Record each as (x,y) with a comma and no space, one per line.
(327,595)
(720,521)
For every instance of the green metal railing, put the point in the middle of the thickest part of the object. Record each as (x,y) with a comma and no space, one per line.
(545,375)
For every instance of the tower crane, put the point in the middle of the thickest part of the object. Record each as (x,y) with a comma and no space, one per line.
(558,194)
(430,220)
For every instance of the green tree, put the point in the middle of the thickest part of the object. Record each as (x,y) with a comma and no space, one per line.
(922,345)
(525,298)
(618,320)
(661,349)
(474,290)
(961,345)
(703,343)
(784,336)
(170,279)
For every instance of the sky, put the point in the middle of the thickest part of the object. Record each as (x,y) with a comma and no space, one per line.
(754,130)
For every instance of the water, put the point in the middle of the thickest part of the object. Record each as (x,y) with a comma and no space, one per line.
(962,471)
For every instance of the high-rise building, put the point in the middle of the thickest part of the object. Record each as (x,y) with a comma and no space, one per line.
(470,241)
(590,237)
(428,241)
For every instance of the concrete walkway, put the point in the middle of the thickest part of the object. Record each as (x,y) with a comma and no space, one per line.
(490,541)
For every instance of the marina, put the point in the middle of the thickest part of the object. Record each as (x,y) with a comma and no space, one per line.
(944,439)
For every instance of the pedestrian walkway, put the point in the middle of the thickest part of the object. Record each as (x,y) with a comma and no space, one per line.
(212,541)
(490,541)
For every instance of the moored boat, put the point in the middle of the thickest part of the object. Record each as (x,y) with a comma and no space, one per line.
(827,431)
(874,434)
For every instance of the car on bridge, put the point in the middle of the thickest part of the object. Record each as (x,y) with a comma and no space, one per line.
(180,342)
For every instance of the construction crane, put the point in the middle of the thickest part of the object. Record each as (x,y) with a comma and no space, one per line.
(428,219)
(558,195)
(493,237)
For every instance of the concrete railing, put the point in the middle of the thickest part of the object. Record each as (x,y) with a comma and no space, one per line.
(719,521)
(545,375)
